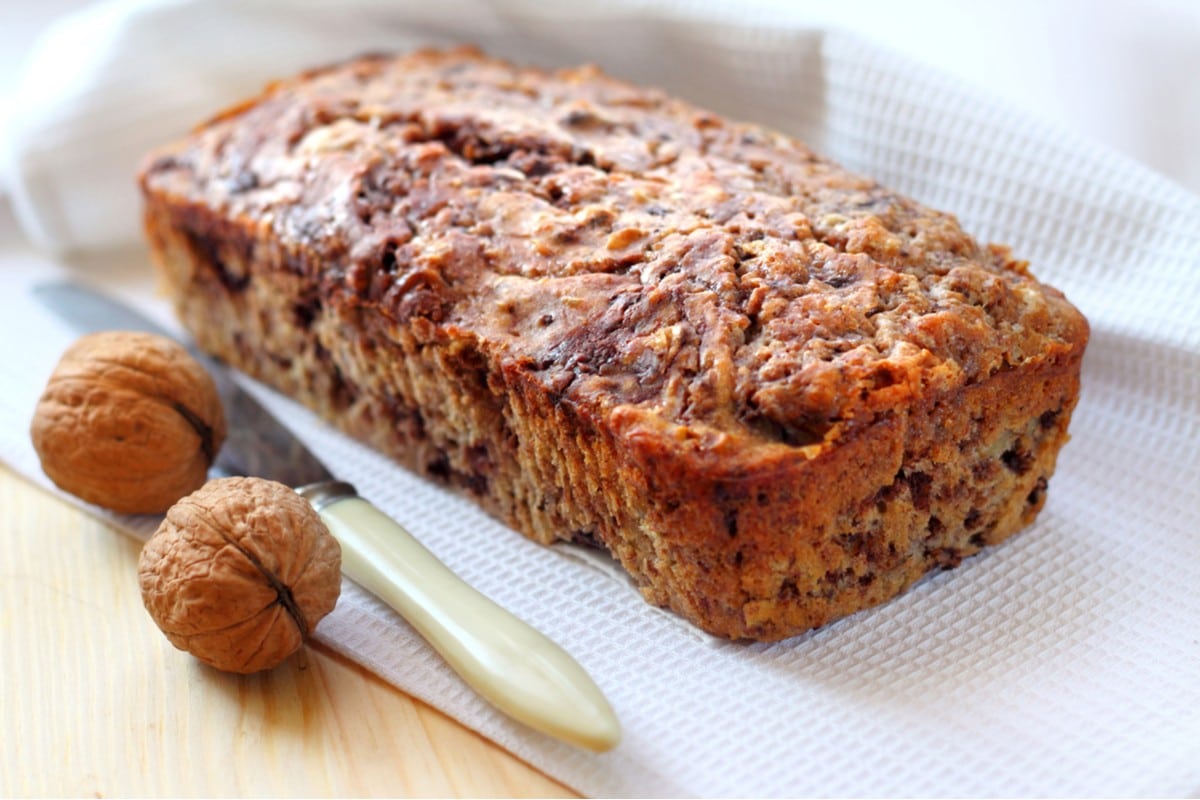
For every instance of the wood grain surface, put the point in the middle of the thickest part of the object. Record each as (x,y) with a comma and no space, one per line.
(95,702)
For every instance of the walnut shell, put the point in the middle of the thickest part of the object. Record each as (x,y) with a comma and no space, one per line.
(128,421)
(240,573)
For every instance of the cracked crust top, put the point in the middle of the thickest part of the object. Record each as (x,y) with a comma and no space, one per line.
(710,284)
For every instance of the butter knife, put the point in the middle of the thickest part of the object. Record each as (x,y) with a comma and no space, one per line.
(509,663)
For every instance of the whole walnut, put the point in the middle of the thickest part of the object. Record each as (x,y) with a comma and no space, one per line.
(239,573)
(129,421)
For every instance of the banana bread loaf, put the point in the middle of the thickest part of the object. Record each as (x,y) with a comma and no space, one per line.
(777,392)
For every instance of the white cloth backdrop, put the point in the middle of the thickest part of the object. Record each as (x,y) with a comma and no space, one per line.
(1066,662)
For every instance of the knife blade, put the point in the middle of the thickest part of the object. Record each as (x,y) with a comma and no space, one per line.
(506,661)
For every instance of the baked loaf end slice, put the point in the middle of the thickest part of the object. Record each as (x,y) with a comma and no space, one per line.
(777,392)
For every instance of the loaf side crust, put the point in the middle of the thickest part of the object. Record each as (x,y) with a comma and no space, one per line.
(775,391)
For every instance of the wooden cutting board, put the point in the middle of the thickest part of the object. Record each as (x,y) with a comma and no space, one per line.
(95,702)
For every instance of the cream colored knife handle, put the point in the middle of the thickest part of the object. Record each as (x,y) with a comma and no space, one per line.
(506,661)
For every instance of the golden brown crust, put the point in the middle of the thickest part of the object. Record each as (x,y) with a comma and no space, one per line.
(617,318)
